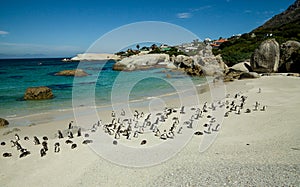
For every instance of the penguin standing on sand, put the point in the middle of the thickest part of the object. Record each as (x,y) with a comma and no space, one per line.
(79,132)
(56,147)
(70,134)
(36,141)
(42,152)
(60,135)
(17,137)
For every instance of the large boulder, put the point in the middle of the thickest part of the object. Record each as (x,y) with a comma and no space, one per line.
(183,61)
(242,66)
(136,62)
(290,57)
(231,75)
(76,73)
(38,93)
(266,57)
(249,75)
(3,122)
(210,65)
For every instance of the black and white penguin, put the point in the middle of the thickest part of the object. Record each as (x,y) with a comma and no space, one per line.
(56,147)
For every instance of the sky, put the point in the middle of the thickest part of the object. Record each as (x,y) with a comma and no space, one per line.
(63,28)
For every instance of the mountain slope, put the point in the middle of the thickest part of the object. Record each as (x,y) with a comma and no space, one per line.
(283,27)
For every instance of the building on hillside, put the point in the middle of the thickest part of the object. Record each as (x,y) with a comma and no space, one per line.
(216,44)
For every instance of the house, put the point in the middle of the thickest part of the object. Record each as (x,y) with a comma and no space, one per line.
(216,44)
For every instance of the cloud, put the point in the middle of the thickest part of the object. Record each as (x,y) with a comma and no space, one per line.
(201,8)
(184,15)
(247,11)
(3,32)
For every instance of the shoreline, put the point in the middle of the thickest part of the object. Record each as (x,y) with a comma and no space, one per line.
(56,114)
(259,148)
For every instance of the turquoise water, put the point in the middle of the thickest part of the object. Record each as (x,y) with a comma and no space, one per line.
(18,74)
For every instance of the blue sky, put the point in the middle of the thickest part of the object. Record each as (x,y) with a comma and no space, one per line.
(58,28)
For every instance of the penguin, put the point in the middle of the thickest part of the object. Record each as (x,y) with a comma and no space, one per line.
(198,133)
(45,145)
(73,146)
(42,152)
(70,134)
(60,135)
(190,124)
(143,142)
(113,114)
(24,153)
(70,125)
(79,132)
(6,154)
(216,128)
(17,137)
(182,110)
(36,140)
(179,130)
(136,134)
(123,112)
(68,141)
(263,108)
(87,141)
(56,147)
(164,136)
(157,132)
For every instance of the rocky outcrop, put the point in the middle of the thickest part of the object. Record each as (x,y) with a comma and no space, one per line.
(136,62)
(211,65)
(290,57)
(94,57)
(3,122)
(38,93)
(231,75)
(243,67)
(76,73)
(266,57)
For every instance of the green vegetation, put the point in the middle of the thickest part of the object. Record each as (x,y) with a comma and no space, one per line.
(239,49)
(171,51)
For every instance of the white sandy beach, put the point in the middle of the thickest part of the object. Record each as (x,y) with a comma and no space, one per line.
(261,148)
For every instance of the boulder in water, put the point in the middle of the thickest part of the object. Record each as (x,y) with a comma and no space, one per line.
(76,73)
(3,122)
(38,93)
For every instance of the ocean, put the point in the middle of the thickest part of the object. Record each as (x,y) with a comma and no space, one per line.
(101,87)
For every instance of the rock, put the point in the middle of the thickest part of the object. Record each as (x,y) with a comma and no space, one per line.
(266,57)
(171,66)
(222,64)
(249,75)
(94,56)
(76,73)
(233,74)
(38,93)
(183,61)
(243,66)
(136,62)
(290,57)
(3,122)
(210,65)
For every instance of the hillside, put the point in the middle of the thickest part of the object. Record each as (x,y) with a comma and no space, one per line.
(282,27)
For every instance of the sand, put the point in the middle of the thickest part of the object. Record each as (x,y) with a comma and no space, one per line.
(261,148)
